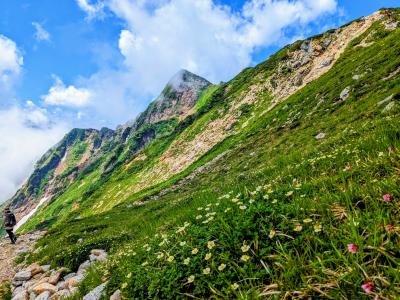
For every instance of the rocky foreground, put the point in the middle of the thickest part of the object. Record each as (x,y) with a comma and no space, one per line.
(43,283)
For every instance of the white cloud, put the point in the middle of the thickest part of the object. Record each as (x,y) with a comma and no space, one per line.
(40,33)
(61,95)
(11,62)
(162,36)
(26,134)
(95,10)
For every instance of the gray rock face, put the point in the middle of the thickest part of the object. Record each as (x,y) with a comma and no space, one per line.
(177,98)
(96,293)
(345,93)
(23,276)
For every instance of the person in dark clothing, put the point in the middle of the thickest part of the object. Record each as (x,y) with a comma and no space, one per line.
(9,223)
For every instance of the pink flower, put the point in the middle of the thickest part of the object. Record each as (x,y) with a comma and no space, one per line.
(352,248)
(389,228)
(387,197)
(368,287)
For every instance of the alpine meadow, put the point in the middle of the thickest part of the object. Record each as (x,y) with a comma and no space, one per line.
(282,183)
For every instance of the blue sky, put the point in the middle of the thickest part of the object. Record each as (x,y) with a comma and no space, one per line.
(79,47)
(95,63)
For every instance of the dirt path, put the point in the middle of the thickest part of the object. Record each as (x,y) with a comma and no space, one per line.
(8,252)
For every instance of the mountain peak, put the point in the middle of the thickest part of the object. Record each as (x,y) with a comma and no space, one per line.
(177,98)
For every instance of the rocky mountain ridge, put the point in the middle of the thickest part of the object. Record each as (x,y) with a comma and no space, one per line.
(82,150)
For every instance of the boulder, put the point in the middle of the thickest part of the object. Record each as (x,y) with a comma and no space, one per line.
(54,277)
(84,267)
(43,287)
(35,269)
(21,296)
(116,296)
(320,136)
(61,285)
(23,276)
(98,255)
(44,296)
(17,290)
(96,293)
(68,276)
(74,281)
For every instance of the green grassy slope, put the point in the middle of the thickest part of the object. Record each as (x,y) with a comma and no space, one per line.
(276,211)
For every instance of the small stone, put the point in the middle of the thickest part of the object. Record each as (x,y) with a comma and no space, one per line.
(21,296)
(18,290)
(345,93)
(320,136)
(84,267)
(388,107)
(61,295)
(54,277)
(43,296)
(68,276)
(98,255)
(116,296)
(22,251)
(61,285)
(43,287)
(387,99)
(357,77)
(23,275)
(74,281)
(46,268)
(35,269)
(96,293)
(326,62)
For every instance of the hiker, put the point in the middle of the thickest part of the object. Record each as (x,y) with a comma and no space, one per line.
(9,223)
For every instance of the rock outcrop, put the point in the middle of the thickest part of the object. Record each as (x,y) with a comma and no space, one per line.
(41,283)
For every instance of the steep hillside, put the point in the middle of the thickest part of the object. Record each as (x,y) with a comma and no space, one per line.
(282,183)
(90,152)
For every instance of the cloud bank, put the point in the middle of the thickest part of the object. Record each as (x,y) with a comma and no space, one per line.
(11,62)
(160,37)
(26,134)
